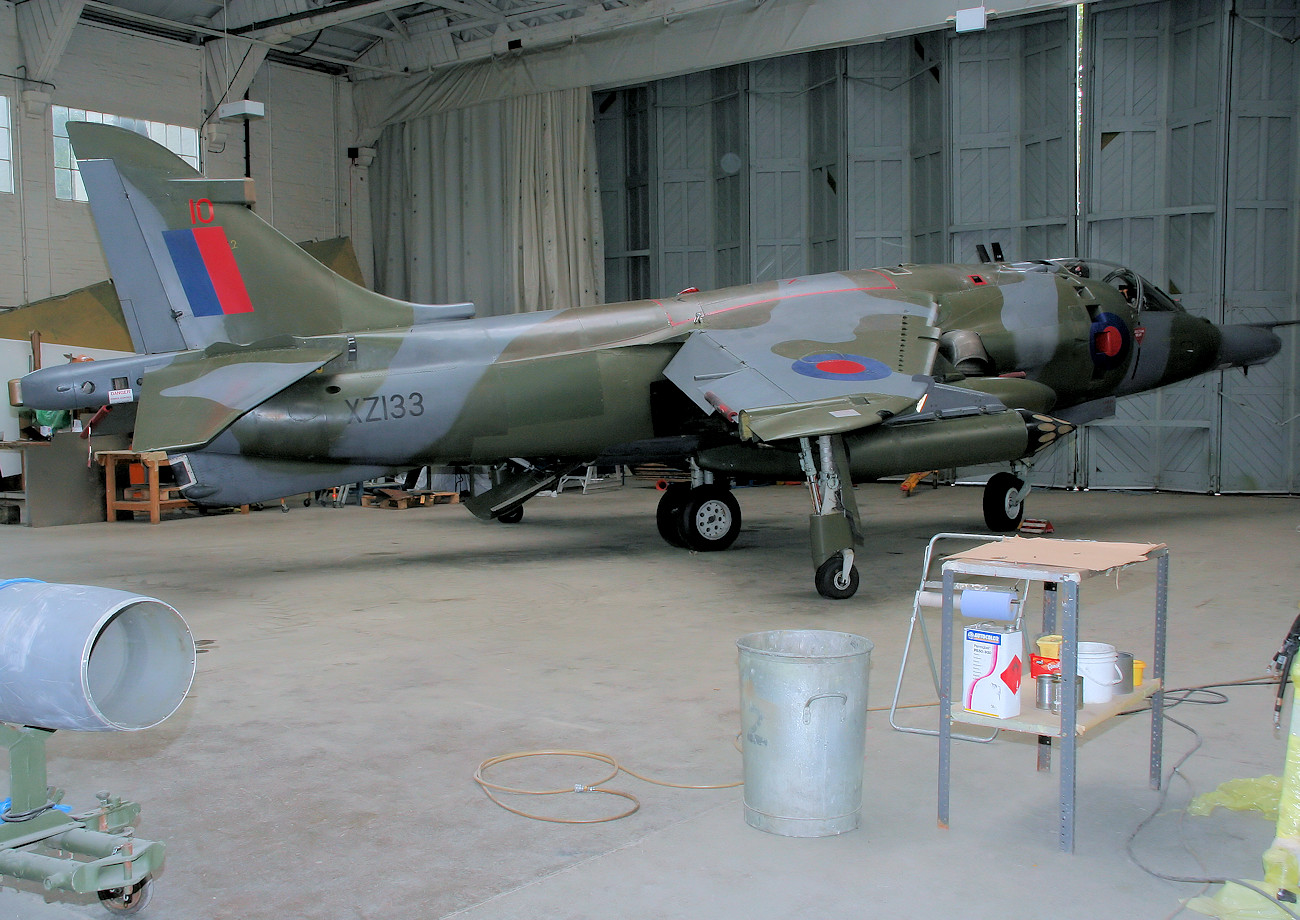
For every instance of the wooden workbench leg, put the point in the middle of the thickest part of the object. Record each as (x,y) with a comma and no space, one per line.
(151,475)
(110,488)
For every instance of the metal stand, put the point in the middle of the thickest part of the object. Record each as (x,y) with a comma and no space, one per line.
(113,862)
(927,595)
(1071,722)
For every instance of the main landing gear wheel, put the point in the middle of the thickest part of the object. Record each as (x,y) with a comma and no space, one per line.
(668,514)
(831,582)
(1004,508)
(513,516)
(125,901)
(709,519)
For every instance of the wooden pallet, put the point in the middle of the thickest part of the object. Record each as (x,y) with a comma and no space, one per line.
(400,500)
(659,472)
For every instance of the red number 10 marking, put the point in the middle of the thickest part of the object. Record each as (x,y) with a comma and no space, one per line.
(201,211)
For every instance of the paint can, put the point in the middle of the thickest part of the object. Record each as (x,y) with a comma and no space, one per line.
(992,668)
(1125,662)
(1099,668)
(1049,646)
(1048,691)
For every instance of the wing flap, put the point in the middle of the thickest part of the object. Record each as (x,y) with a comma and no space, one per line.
(194,399)
(824,416)
(823,364)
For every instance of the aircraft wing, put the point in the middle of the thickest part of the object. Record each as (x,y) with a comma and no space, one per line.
(828,364)
(192,400)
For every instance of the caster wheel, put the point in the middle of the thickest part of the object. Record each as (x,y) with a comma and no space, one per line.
(513,516)
(124,901)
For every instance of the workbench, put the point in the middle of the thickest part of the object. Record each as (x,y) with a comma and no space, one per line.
(150,496)
(1060,566)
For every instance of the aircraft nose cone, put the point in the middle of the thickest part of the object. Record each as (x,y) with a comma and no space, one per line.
(1244,346)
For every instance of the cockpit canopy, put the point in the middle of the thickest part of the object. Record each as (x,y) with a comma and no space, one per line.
(1137,290)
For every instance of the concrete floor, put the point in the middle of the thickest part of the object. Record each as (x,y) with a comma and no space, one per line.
(359,664)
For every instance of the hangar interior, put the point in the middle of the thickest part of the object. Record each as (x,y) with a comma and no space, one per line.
(528,155)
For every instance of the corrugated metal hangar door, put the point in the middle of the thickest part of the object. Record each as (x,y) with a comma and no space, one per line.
(1176,154)
(1189,152)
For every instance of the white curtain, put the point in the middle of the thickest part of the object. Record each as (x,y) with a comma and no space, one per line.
(498,204)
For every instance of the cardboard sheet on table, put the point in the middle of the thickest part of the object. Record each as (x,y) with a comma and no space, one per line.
(1080,555)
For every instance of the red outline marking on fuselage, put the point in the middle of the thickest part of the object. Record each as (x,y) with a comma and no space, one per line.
(740,306)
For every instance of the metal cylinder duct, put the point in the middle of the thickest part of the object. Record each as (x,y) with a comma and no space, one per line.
(90,659)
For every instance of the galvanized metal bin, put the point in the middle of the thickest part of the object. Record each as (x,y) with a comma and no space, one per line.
(803,716)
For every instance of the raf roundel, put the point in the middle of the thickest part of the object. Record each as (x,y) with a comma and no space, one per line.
(835,366)
(1110,341)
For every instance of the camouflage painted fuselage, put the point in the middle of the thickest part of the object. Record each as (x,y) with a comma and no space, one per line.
(576,382)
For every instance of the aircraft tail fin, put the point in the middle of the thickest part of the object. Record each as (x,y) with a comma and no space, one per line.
(194,266)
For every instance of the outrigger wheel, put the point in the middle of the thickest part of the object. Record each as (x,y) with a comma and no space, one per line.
(125,901)
(1004,502)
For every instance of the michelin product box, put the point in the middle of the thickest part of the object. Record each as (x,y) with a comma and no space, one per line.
(992,667)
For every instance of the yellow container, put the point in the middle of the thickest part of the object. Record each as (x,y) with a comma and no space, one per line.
(1139,667)
(1049,646)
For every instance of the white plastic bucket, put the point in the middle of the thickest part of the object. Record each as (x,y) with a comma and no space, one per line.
(1099,667)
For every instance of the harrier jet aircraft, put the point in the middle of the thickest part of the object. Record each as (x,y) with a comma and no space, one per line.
(264,374)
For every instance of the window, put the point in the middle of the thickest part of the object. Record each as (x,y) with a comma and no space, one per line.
(6,146)
(182,141)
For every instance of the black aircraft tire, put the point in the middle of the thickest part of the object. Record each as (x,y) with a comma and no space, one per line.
(1002,512)
(709,519)
(513,516)
(830,581)
(668,514)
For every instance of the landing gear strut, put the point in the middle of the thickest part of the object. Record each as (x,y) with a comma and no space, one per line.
(833,523)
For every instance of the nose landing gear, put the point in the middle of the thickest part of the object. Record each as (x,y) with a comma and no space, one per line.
(833,523)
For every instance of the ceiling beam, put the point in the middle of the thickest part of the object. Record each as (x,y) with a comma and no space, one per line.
(193,28)
(44,28)
(232,65)
(283,28)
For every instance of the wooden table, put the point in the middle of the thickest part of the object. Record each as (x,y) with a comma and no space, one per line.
(156,499)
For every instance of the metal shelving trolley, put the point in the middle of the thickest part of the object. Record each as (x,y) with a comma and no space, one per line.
(1060,565)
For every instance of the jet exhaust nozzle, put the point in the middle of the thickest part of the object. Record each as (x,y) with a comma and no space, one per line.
(1246,345)
(90,659)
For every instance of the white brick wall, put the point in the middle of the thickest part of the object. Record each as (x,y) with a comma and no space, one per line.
(299,161)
